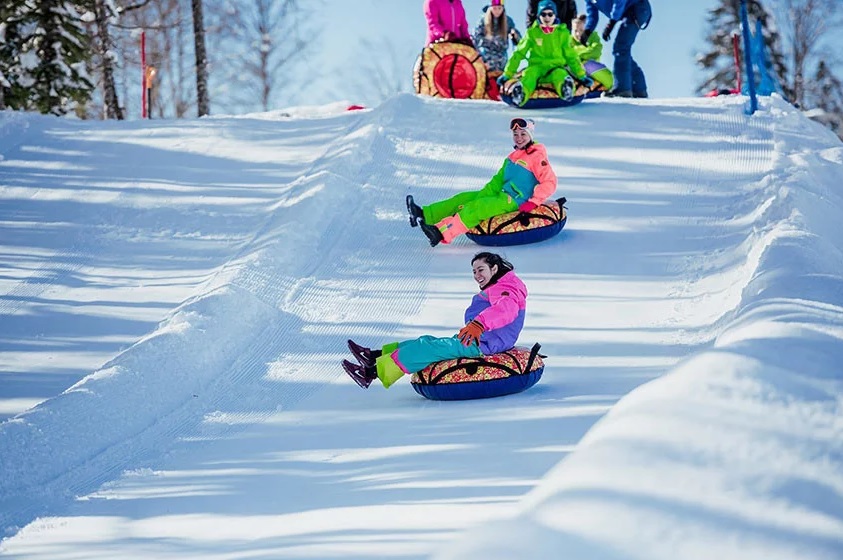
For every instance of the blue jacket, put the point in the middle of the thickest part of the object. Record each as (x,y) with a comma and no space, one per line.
(613,9)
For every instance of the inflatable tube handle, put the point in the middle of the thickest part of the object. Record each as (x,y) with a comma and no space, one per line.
(533,353)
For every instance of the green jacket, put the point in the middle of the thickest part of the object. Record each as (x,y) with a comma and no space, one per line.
(591,51)
(548,49)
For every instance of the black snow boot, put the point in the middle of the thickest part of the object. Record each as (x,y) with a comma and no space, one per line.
(416,213)
(366,356)
(432,232)
(363,376)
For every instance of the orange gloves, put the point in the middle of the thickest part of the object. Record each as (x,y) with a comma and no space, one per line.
(470,334)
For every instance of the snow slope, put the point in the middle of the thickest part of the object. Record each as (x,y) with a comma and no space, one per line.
(208,273)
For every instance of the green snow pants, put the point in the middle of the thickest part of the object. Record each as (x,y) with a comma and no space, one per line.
(473,206)
(545,74)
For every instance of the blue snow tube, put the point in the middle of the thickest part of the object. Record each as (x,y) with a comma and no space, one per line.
(496,375)
(519,228)
(543,102)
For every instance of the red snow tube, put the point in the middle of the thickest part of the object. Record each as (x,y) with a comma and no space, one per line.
(451,70)
(496,375)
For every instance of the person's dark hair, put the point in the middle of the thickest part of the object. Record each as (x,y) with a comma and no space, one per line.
(493,259)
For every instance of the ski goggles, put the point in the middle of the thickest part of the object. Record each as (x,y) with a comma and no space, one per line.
(526,124)
(547,14)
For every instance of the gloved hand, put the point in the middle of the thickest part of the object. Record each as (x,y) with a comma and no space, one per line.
(607,31)
(527,206)
(449,36)
(502,79)
(585,35)
(470,333)
(587,81)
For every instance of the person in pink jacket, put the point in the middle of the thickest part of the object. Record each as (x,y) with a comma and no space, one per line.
(493,322)
(524,181)
(446,22)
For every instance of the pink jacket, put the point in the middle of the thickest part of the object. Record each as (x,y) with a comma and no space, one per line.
(445,15)
(500,308)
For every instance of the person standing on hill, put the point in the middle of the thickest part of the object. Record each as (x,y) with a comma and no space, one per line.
(633,15)
(446,22)
(494,30)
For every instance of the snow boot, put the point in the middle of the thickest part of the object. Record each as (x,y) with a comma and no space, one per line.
(567,88)
(432,232)
(616,93)
(365,356)
(363,376)
(416,213)
(517,94)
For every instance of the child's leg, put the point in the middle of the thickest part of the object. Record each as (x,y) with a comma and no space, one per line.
(414,355)
(556,78)
(530,78)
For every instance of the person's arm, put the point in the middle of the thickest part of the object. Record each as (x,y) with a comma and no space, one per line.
(514,33)
(506,301)
(479,33)
(524,46)
(432,16)
(545,176)
(618,10)
(592,17)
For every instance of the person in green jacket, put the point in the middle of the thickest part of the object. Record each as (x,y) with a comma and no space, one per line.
(550,59)
(590,50)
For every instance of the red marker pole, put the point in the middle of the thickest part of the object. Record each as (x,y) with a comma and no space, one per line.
(736,50)
(143,74)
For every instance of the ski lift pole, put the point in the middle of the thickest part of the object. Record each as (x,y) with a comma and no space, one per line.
(143,73)
(750,75)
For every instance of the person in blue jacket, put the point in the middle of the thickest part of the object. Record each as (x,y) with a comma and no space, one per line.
(633,15)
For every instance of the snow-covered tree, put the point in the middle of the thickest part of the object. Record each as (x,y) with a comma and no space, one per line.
(718,61)
(45,56)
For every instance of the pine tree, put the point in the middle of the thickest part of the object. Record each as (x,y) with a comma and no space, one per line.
(45,57)
(719,62)
(12,22)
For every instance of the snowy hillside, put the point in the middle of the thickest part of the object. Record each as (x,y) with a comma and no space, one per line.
(175,298)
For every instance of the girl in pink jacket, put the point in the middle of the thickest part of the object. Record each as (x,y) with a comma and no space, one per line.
(446,21)
(493,321)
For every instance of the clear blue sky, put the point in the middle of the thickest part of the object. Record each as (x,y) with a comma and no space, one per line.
(665,50)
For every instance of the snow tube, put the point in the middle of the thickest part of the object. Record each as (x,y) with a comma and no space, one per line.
(518,228)
(451,70)
(496,375)
(545,97)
